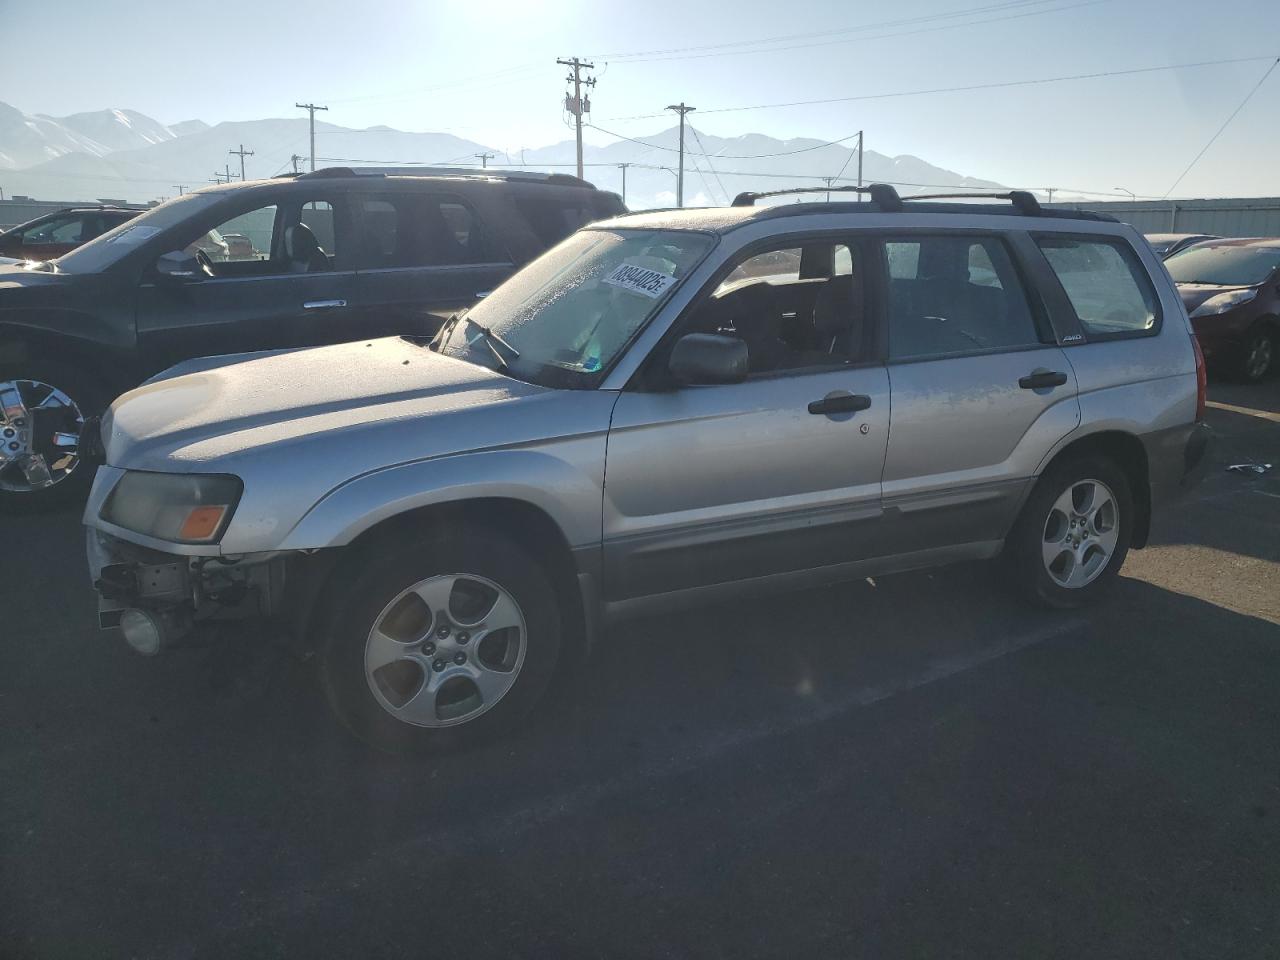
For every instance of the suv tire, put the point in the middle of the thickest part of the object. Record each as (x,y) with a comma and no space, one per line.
(34,380)
(1073,534)
(466,670)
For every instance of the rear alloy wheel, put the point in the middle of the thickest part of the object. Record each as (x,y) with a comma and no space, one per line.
(1259,355)
(1073,533)
(42,417)
(441,643)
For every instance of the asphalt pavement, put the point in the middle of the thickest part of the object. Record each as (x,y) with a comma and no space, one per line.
(919,766)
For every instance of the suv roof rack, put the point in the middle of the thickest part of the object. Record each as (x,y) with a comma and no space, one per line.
(882,195)
(485,173)
(887,200)
(1023,201)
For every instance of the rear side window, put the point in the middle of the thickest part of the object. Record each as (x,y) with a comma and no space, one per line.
(952,295)
(411,230)
(552,219)
(1109,290)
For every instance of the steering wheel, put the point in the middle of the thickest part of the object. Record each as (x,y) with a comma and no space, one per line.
(205,261)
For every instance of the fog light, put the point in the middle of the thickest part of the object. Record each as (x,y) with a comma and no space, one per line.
(143,631)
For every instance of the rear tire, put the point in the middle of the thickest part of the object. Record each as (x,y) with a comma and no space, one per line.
(1073,534)
(43,406)
(441,644)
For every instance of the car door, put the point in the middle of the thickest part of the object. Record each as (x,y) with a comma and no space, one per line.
(283,280)
(980,388)
(709,484)
(423,256)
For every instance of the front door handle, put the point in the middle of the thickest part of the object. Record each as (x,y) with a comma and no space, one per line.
(841,403)
(481,294)
(323,304)
(1042,379)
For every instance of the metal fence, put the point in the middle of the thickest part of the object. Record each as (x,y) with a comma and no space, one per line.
(1250,217)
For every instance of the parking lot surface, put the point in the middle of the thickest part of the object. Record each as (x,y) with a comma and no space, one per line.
(917,766)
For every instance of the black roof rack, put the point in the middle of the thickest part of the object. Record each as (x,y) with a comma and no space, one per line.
(485,173)
(882,195)
(1023,201)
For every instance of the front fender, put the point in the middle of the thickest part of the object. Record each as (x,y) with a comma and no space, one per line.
(564,479)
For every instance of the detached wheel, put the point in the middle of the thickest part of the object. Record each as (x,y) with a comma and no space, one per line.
(443,644)
(1259,357)
(1073,534)
(43,407)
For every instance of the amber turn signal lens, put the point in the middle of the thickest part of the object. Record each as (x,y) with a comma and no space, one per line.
(202,523)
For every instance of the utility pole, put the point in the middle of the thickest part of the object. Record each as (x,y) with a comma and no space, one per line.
(828,179)
(294,160)
(623,168)
(1049,190)
(311,109)
(576,104)
(180,187)
(681,109)
(241,153)
(859,163)
(484,159)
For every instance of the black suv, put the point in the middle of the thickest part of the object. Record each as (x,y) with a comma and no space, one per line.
(326,257)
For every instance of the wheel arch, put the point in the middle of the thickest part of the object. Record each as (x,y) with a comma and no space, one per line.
(520,520)
(1128,453)
(23,344)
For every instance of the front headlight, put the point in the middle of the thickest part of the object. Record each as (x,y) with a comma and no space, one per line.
(178,507)
(1222,302)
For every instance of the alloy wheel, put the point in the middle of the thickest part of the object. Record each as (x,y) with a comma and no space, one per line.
(1080,534)
(445,650)
(40,428)
(1261,353)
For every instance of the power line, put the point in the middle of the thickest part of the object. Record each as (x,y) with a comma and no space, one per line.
(966,88)
(881,36)
(618,56)
(707,159)
(725,156)
(1256,87)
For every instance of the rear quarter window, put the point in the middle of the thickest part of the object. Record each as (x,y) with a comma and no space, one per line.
(1108,287)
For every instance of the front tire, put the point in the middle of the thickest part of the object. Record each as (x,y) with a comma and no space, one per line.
(441,644)
(1073,534)
(43,407)
(1258,358)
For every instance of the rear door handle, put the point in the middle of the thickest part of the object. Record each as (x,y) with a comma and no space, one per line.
(1042,379)
(323,304)
(481,294)
(841,403)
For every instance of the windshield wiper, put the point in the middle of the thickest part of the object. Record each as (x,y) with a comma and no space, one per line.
(491,338)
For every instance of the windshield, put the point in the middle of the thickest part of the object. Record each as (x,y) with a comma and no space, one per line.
(1224,266)
(105,250)
(563,319)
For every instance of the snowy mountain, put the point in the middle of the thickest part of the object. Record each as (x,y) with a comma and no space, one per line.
(26,140)
(121,153)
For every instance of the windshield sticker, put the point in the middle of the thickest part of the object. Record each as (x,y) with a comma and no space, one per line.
(642,280)
(135,234)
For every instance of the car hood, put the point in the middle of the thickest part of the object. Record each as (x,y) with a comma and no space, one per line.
(1194,294)
(215,413)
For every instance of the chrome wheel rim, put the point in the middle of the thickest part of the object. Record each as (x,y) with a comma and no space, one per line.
(445,650)
(1080,534)
(1260,354)
(40,430)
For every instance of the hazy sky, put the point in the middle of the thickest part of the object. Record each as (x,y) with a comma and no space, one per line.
(485,70)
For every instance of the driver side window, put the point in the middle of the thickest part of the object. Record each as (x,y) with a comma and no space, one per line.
(272,240)
(795,307)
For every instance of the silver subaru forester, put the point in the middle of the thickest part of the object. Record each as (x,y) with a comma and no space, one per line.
(667,408)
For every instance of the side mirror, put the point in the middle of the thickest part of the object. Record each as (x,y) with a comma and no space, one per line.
(179,266)
(705,358)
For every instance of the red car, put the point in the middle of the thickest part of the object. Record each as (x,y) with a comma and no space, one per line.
(54,234)
(1231,289)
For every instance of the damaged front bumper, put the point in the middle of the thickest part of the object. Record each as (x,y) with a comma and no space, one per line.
(158,599)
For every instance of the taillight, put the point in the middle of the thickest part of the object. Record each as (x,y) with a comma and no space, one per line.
(1202,379)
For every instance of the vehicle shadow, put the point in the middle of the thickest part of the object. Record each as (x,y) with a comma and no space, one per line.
(933,678)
